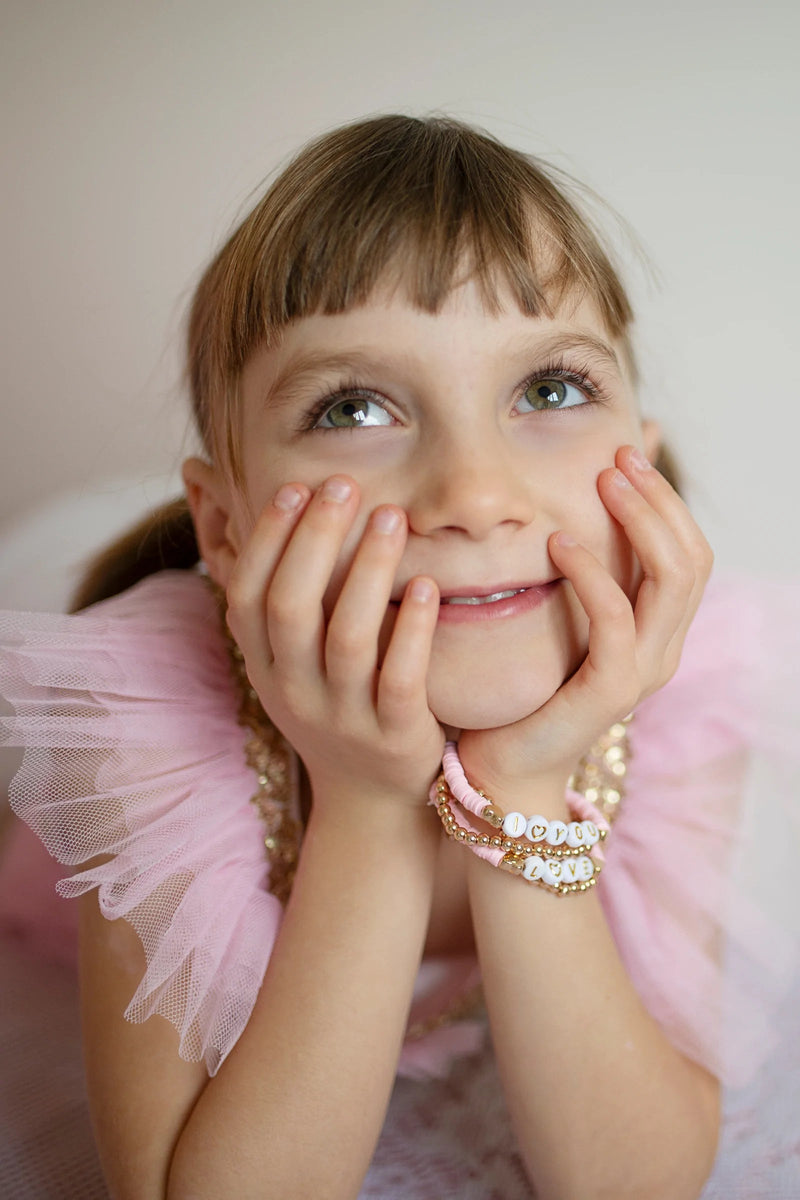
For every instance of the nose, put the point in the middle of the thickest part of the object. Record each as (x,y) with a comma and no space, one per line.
(470,485)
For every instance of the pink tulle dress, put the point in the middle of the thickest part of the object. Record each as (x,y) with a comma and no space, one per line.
(134,748)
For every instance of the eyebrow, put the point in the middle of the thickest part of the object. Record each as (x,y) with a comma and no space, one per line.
(313,363)
(560,343)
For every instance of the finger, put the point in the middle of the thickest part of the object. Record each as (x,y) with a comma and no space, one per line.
(402,690)
(610,667)
(663,498)
(255,566)
(295,618)
(351,643)
(672,584)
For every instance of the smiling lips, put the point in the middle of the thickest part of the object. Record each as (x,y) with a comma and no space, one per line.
(481,599)
(508,602)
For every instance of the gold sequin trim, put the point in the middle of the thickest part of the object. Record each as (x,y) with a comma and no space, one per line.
(470,1006)
(601,773)
(268,754)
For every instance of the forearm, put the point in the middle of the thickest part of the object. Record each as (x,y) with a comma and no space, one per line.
(602,1104)
(298,1106)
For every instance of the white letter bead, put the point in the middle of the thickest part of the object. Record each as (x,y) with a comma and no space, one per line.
(552,872)
(569,869)
(591,833)
(584,869)
(514,825)
(536,829)
(576,834)
(556,833)
(533,867)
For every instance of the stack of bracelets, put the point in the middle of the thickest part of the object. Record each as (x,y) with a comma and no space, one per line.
(562,858)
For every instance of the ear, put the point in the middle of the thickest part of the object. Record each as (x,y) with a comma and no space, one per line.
(209,498)
(651,438)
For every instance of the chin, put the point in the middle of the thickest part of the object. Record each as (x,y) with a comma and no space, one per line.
(487,706)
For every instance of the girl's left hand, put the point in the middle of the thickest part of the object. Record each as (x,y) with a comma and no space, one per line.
(634,647)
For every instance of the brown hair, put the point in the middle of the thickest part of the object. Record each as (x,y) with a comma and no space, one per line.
(422,202)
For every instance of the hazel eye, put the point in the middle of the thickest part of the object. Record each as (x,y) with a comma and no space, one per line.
(353,413)
(545,394)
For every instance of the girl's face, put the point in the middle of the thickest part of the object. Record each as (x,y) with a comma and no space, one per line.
(490,432)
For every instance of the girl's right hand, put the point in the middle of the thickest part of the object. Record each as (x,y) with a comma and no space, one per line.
(360,727)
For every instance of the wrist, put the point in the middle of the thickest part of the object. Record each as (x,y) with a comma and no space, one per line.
(372,781)
(370,819)
(545,790)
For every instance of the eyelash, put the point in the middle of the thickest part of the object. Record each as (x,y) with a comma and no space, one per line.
(342,391)
(579,378)
(555,369)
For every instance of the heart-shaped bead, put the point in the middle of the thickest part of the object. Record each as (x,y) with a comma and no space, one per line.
(536,828)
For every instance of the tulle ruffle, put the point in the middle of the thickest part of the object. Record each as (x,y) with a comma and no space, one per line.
(133,751)
(698,877)
(134,757)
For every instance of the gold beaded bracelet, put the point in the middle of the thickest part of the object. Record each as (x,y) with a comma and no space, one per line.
(573,855)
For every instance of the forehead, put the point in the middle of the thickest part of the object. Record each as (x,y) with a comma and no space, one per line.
(465,332)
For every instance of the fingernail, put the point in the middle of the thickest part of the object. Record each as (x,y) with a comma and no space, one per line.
(639,460)
(386,520)
(288,498)
(620,480)
(337,490)
(564,539)
(421,589)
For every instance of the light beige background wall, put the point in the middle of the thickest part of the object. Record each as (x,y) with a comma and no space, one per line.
(135,133)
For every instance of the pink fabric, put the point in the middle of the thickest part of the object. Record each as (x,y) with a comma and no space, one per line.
(129,718)
(30,909)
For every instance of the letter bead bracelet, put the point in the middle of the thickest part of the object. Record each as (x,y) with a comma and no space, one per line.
(559,856)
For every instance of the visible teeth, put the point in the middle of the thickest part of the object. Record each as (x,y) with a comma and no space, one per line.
(483,599)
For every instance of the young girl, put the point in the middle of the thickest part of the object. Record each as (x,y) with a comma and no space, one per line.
(434,522)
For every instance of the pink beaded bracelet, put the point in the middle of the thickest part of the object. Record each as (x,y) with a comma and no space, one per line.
(570,858)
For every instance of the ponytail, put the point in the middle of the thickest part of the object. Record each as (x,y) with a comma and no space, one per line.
(164,539)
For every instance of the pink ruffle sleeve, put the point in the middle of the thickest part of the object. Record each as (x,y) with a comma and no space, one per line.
(128,716)
(701,866)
